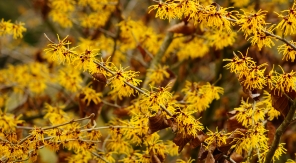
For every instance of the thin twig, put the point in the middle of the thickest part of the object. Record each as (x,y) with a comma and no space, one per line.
(59,125)
(134,87)
(110,104)
(25,127)
(48,39)
(167,111)
(74,120)
(125,82)
(104,127)
(99,156)
(110,34)
(105,142)
(219,78)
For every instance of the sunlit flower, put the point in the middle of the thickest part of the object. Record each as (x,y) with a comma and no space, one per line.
(288,52)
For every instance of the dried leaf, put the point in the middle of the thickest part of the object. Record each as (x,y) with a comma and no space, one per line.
(196,142)
(91,108)
(142,50)
(121,112)
(173,124)
(202,154)
(181,140)
(218,155)
(280,103)
(210,158)
(157,122)
(232,124)
(100,77)
(236,157)
(184,28)
(271,132)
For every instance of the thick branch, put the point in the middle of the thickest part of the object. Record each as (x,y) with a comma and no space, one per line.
(279,132)
(156,59)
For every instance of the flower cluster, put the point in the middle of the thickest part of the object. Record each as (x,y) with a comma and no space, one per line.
(288,24)
(199,96)
(136,34)
(15,29)
(249,74)
(66,13)
(213,15)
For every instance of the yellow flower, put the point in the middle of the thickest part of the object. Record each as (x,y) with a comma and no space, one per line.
(119,145)
(63,5)
(188,50)
(165,10)
(240,3)
(91,95)
(139,128)
(156,98)
(216,17)
(155,146)
(288,24)
(253,77)
(219,138)
(18,29)
(82,157)
(8,121)
(7,28)
(119,87)
(237,64)
(251,23)
(62,18)
(288,52)
(86,60)
(199,96)
(95,19)
(56,115)
(221,39)
(158,74)
(245,113)
(70,79)
(279,151)
(262,39)
(187,124)
(39,76)
(285,81)
(267,102)
(60,51)
(254,138)
(172,148)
